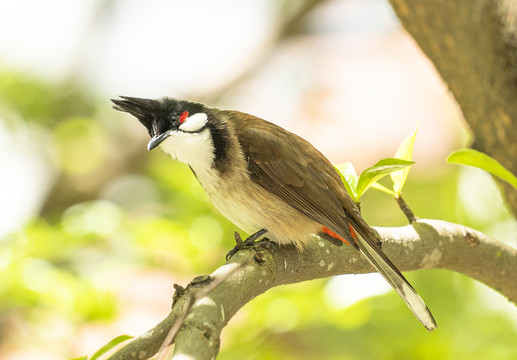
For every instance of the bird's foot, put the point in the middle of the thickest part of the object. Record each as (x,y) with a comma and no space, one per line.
(251,242)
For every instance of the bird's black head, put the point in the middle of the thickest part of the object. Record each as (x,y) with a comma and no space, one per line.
(162,116)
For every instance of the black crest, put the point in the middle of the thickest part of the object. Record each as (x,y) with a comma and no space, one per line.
(159,115)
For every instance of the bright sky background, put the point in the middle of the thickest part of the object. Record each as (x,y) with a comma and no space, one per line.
(149,48)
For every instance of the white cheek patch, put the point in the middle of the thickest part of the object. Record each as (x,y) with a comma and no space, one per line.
(194,123)
(195,149)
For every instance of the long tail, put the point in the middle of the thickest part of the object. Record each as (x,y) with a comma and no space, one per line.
(367,243)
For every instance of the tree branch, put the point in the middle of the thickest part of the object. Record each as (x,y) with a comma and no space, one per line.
(423,245)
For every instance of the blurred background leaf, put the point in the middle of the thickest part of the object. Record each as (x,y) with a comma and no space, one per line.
(480,160)
(110,346)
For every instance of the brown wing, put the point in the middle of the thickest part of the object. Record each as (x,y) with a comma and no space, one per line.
(292,169)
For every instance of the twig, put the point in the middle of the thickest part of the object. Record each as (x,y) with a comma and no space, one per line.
(406,210)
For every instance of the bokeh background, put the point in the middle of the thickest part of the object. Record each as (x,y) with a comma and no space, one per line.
(94,230)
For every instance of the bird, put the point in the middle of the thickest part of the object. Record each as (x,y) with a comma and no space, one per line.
(266,180)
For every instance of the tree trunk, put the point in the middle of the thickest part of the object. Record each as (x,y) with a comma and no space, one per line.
(473,45)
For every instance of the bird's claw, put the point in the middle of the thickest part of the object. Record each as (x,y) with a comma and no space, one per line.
(251,242)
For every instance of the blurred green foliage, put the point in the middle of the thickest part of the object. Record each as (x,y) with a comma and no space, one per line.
(483,161)
(118,207)
(40,102)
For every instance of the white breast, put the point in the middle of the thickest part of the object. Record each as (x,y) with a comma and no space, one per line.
(194,149)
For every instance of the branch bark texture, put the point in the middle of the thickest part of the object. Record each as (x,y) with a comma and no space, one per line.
(423,245)
(473,45)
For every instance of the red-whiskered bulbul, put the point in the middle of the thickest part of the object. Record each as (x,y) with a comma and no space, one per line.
(265,179)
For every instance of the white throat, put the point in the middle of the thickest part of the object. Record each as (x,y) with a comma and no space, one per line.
(194,149)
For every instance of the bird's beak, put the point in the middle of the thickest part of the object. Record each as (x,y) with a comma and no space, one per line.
(143,110)
(156,140)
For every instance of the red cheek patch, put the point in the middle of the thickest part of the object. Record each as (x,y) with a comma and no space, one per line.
(183,117)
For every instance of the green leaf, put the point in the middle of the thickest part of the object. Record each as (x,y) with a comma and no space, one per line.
(80,358)
(349,178)
(481,160)
(404,152)
(379,170)
(116,341)
(380,187)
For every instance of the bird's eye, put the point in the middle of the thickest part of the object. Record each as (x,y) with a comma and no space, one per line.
(183,117)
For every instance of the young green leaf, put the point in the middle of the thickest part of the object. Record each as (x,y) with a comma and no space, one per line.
(378,171)
(380,187)
(404,152)
(113,343)
(481,160)
(349,178)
